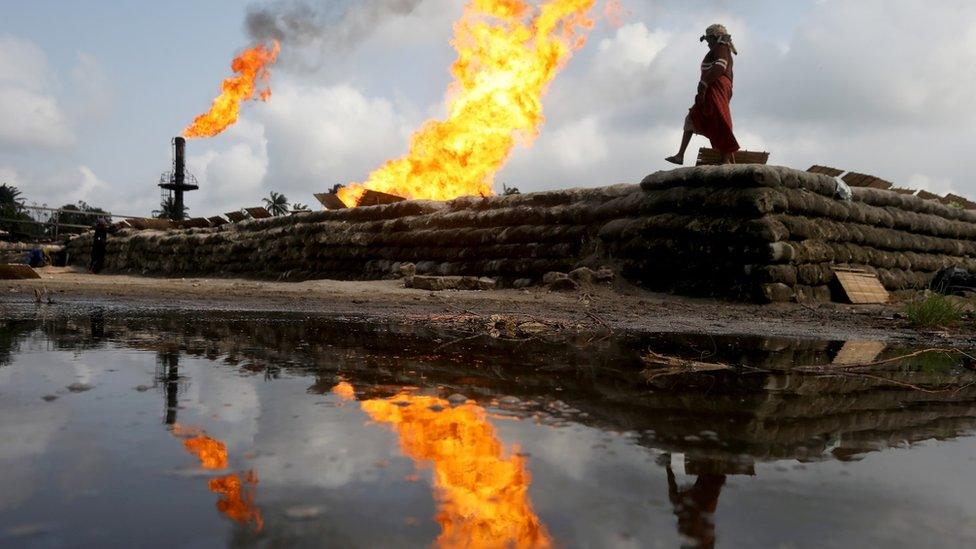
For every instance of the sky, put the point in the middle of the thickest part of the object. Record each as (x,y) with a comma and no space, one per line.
(92,92)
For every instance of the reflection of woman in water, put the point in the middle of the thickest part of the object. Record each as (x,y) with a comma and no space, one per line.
(695,505)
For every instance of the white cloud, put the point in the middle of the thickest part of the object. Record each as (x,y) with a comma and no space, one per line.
(30,114)
(230,178)
(304,141)
(320,136)
(91,96)
(865,86)
(30,119)
(89,185)
(633,48)
(24,64)
(9,176)
(580,144)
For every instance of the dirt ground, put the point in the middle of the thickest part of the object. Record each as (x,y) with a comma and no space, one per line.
(620,309)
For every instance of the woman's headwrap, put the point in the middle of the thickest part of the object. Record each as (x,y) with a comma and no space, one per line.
(721,34)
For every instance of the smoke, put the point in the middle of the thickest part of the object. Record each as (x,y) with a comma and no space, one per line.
(329,24)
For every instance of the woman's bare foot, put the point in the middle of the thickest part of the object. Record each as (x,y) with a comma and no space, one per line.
(675,160)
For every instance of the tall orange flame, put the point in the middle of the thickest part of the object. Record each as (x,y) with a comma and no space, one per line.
(236,490)
(482,496)
(508,53)
(250,66)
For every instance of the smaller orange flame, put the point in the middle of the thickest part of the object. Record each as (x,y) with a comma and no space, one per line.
(250,66)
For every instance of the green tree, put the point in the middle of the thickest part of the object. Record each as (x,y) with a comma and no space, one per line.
(12,213)
(168,210)
(299,207)
(10,195)
(277,204)
(83,216)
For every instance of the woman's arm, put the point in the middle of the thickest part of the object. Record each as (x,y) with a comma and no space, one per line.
(723,60)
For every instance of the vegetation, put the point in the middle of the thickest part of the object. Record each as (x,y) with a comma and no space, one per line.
(277,204)
(25,222)
(69,217)
(12,210)
(299,207)
(168,210)
(10,195)
(933,311)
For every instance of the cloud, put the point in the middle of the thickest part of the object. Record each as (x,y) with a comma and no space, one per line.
(23,64)
(307,139)
(91,96)
(877,86)
(311,29)
(633,48)
(9,176)
(89,185)
(880,63)
(57,186)
(30,115)
(230,177)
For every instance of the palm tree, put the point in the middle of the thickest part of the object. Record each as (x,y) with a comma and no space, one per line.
(299,207)
(167,210)
(277,204)
(10,195)
(11,210)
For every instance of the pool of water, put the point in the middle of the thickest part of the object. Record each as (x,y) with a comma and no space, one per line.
(195,431)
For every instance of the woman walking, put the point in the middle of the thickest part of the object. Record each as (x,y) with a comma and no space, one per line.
(711,116)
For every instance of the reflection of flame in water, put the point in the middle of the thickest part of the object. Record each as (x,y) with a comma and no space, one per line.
(237,499)
(236,490)
(211,452)
(482,497)
(344,391)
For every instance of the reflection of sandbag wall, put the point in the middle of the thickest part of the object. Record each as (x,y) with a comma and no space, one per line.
(762,416)
(745,231)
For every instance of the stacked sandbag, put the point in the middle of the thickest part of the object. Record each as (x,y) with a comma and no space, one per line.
(741,231)
(778,233)
(512,237)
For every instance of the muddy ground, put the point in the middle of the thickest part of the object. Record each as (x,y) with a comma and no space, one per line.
(621,309)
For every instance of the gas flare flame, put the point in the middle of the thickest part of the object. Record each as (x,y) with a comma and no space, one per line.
(509,51)
(236,490)
(251,67)
(482,495)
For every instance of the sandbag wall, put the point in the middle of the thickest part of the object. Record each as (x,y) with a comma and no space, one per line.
(778,233)
(522,236)
(740,231)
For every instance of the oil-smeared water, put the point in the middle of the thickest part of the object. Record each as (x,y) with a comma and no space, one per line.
(180,430)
